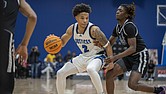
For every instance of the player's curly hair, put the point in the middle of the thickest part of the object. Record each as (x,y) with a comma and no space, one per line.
(81,8)
(130,9)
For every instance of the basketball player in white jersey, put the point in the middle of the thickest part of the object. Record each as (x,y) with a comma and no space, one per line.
(91,58)
(8,15)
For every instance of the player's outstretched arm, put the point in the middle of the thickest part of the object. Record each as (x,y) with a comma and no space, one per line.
(66,36)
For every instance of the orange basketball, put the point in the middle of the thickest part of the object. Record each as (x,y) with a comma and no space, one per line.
(52,44)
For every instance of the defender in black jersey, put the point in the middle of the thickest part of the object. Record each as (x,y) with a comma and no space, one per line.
(8,15)
(134,59)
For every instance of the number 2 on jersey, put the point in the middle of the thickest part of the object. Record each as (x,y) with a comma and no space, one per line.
(85,48)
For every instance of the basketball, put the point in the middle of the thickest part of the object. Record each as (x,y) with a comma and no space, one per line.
(52,44)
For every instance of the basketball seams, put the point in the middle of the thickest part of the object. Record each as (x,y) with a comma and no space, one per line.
(56,47)
(56,50)
(48,38)
(57,39)
(53,51)
(52,43)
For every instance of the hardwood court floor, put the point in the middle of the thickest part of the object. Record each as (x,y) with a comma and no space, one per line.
(42,86)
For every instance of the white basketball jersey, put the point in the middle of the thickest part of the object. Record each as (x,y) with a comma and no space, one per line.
(85,41)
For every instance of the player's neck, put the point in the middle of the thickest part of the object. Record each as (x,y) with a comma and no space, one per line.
(81,30)
(121,22)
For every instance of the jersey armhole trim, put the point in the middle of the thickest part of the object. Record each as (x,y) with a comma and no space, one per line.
(73,30)
(90,32)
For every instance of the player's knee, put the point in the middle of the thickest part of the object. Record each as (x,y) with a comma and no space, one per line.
(110,75)
(60,73)
(90,70)
(132,85)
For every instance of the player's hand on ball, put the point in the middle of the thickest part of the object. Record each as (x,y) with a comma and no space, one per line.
(51,35)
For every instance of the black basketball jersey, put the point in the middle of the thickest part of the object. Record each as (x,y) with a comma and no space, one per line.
(129,30)
(8,14)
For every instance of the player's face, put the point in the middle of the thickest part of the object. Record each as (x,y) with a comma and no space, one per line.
(121,13)
(82,19)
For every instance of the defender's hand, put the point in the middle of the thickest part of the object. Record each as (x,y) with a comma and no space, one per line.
(109,59)
(109,66)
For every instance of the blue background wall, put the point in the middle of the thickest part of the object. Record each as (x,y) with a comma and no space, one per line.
(54,16)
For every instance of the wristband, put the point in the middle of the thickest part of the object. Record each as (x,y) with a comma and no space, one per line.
(106,44)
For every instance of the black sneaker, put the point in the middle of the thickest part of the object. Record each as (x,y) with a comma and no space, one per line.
(163,91)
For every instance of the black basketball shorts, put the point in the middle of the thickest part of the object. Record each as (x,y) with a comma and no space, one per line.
(7,62)
(137,62)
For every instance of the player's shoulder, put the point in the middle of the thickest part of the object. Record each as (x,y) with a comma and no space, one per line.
(93,27)
(21,2)
(70,27)
(130,23)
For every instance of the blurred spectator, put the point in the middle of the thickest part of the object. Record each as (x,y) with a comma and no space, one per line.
(68,56)
(51,57)
(153,57)
(59,65)
(73,54)
(21,69)
(151,68)
(58,57)
(49,62)
(49,65)
(33,60)
(42,65)
(54,62)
